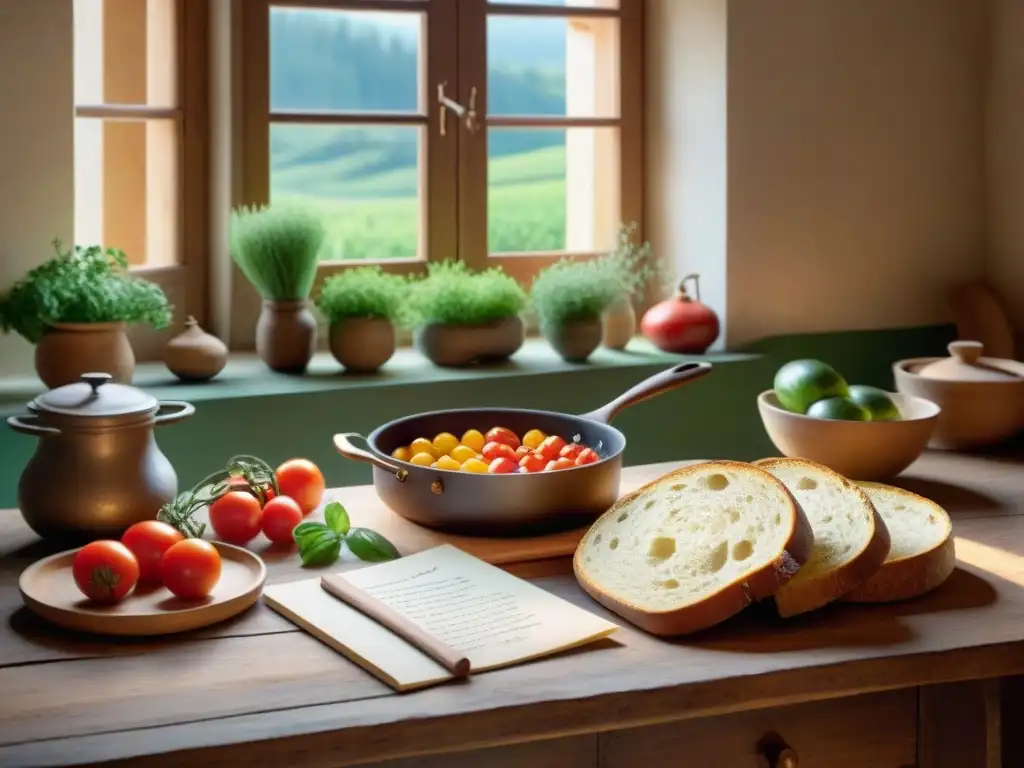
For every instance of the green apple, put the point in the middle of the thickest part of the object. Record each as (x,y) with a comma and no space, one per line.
(877,401)
(801,383)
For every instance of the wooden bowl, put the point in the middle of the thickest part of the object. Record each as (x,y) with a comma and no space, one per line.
(859,450)
(48,589)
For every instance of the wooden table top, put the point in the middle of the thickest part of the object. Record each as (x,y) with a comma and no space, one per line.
(258,689)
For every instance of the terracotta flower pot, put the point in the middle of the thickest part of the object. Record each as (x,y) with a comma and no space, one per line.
(453,345)
(362,344)
(618,324)
(575,341)
(286,335)
(67,350)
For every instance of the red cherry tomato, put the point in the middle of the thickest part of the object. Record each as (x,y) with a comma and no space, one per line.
(522,451)
(587,456)
(502,466)
(533,462)
(280,516)
(105,571)
(148,541)
(494,451)
(502,435)
(570,451)
(551,446)
(557,464)
(191,569)
(303,481)
(236,517)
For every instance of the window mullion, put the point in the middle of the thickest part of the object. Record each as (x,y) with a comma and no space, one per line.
(440,184)
(472,47)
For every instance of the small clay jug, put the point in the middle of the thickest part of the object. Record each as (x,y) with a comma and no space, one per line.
(362,344)
(575,341)
(454,345)
(286,335)
(194,354)
(68,350)
(618,323)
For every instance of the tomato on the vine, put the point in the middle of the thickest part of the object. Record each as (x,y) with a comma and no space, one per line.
(105,571)
(280,517)
(236,517)
(302,480)
(148,540)
(191,569)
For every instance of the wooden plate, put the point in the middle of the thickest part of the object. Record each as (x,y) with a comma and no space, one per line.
(48,588)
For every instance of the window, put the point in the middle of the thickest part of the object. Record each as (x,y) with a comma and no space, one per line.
(492,132)
(140,177)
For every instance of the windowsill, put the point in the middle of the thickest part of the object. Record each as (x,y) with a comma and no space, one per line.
(246,376)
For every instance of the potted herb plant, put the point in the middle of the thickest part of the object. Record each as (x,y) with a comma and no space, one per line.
(277,247)
(635,266)
(569,298)
(76,307)
(362,306)
(464,317)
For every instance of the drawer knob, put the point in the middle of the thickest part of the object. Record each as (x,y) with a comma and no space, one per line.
(776,753)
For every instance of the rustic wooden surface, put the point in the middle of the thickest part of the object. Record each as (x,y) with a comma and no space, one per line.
(257,689)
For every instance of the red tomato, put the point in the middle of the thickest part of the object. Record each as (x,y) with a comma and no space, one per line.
(236,517)
(502,435)
(557,464)
(494,451)
(105,571)
(191,569)
(550,447)
(502,466)
(522,451)
(148,541)
(533,462)
(268,494)
(280,516)
(303,481)
(570,451)
(587,456)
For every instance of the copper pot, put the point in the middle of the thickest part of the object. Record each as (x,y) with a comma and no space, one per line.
(97,468)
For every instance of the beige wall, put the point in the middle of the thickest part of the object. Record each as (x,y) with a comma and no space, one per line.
(36,145)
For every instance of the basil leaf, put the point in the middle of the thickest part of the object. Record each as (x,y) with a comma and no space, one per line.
(370,546)
(322,549)
(337,518)
(305,529)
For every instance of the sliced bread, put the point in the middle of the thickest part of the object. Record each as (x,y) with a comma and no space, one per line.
(923,554)
(694,547)
(850,539)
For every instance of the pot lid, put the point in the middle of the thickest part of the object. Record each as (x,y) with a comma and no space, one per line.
(95,395)
(965,363)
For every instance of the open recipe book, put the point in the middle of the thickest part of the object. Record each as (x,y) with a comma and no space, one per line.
(492,617)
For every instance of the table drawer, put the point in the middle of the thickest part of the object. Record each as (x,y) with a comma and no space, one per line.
(869,731)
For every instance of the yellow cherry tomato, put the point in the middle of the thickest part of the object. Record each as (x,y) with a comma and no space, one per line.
(444,443)
(447,462)
(475,466)
(463,453)
(474,439)
(423,459)
(533,438)
(402,454)
(422,445)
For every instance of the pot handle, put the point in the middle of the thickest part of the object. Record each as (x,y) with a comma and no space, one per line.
(344,446)
(648,388)
(27,426)
(179,410)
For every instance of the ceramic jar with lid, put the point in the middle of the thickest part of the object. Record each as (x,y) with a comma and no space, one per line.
(97,468)
(982,398)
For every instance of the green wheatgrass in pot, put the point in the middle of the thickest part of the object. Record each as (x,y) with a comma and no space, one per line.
(364,292)
(571,290)
(277,247)
(451,293)
(87,284)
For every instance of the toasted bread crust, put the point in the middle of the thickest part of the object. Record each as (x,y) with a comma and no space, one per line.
(912,576)
(730,599)
(830,586)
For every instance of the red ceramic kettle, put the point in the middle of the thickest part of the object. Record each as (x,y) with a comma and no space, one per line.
(681,324)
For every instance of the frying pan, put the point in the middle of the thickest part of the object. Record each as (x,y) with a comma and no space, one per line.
(512,504)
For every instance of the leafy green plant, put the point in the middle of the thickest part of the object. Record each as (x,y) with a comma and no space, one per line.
(571,290)
(634,264)
(453,294)
(277,247)
(363,292)
(320,543)
(87,284)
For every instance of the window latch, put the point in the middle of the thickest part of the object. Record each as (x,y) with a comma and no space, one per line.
(466,114)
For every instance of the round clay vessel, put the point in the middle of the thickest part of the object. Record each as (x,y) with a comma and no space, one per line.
(618,324)
(67,350)
(194,354)
(577,340)
(362,344)
(286,335)
(454,345)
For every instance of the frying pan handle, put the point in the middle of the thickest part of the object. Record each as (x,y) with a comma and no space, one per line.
(648,388)
(344,446)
